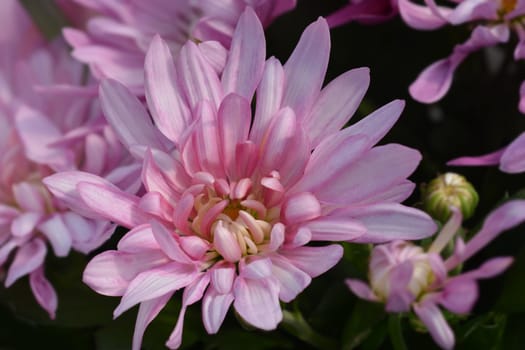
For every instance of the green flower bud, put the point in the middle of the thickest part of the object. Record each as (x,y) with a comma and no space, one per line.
(449,190)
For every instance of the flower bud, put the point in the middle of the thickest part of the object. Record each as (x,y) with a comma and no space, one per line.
(449,190)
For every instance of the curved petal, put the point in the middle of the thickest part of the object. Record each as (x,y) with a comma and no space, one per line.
(148,310)
(314,260)
(28,258)
(419,17)
(361,289)
(432,317)
(292,280)
(513,158)
(43,291)
(214,309)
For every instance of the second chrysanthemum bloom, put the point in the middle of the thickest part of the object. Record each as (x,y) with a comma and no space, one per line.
(231,205)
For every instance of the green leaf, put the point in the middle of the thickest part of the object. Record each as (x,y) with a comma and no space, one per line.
(363,324)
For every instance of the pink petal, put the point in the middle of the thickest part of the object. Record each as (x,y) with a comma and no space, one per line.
(361,289)
(301,207)
(214,309)
(307,63)
(513,158)
(420,17)
(440,331)
(352,184)
(170,113)
(43,291)
(389,221)
(222,277)
(28,258)
(234,120)
(226,244)
(336,104)
(314,260)
(113,204)
(156,282)
(399,297)
(58,235)
(459,295)
(245,62)
(25,223)
(167,242)
(148,310)
(29,197)
(434,82)
(269,96)
(487,159)
(255,268)
(196,77)
(292,280)
(111,272)
(257,302)
(127,115)
(137,240)
(336,228)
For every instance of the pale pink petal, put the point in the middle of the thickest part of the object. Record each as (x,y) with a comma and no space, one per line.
(169,111)
(206,139)
(434,82)
(127,115)
(214,308)
(269,96)
(306,68)
(292,280)
(336,228)
(399,297)
(113,204)
(234,118)
(148,310)
(472,10)
(513,158)
(521,105)
(352,184)
(489,269)
(245,62)
(255,268)
(43,291)
(390,221)
(156,282)
(196,77)
(226,244)
(215,54)
(167,242)
(336,104)
(487,159)
(459,295)
(436,324)
(420,17)
(314,260)
(25,223)
(58,235)
(140,238)
(503,218)
(257,302)
(222,277)
(29,197)
(111,272)
(361,289)
(28,258)
(301,207)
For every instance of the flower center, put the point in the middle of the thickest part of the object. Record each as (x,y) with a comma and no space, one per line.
(508,6)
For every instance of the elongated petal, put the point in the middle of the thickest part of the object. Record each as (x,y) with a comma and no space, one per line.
(43,291)
(336,104)
(257,302)
(113,204)
(28,258)
(513,158)
(389,221)
(292,280)
(214,309)
(58,235)
(487,159)
(301,207)
(111,272)
(361,289)
(459,295)
(420,17)
(336,228)
(245,62)
(156,282)
(314,260)
(169,111)
(222,277)
(436,324)
(148,310)
(128,116)
(307,63)
(167,242)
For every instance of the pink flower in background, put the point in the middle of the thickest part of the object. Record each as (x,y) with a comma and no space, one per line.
(115,41)
(365,12)
(493,19)
(48,125)
(230,205)
(405,277)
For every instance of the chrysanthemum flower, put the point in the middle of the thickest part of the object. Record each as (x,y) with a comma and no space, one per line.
(47,125)
(406,277)
(232,204)
(115,40)
(493,21)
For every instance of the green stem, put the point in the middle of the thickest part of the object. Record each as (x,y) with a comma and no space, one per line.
(295,324)
(396,332)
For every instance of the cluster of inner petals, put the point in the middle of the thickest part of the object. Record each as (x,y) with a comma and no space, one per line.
(384,261)
(234,218)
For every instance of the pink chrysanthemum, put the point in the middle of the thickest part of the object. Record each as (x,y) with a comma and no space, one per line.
(115,41)
(231,205)
(406,277)
(47,126)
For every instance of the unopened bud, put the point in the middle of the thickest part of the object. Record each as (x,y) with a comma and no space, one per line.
(449,190)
